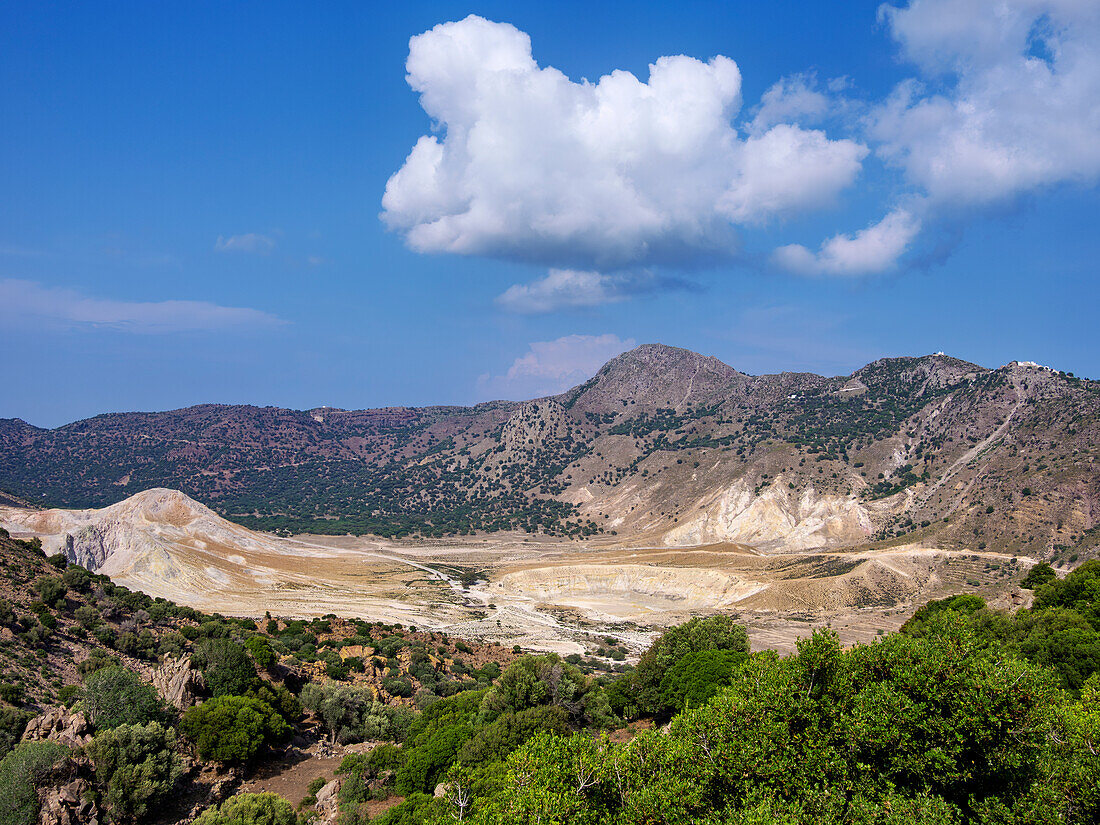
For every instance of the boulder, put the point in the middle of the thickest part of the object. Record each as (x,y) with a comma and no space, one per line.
(60,725)
(213,784)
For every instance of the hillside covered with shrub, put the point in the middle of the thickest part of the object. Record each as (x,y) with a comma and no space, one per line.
(135,710)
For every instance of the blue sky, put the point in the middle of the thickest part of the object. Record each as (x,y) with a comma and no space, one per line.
(193,194)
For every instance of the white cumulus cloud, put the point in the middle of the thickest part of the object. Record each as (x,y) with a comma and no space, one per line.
(1006,102)
(870,250)
(792,99)
(527,164)
(1014,103)
(551,367)
(572,289)
(30,303)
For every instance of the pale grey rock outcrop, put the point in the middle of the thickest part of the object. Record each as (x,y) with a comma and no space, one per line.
(178,681)
(327,801)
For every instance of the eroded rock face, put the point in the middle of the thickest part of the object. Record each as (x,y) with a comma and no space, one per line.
(798,520)
(89,547)
(326,802)
(178,681)
(134,534)
(60,725)
(215,783)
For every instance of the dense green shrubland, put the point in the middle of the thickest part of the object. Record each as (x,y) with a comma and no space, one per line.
(250,809)
(138,767)
(968,715)
(22,771)
(936,729)
(1060,631)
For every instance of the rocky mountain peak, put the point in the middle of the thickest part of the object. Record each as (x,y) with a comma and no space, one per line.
(654,376)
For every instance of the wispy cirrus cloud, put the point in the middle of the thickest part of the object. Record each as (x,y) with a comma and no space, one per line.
(28,302)
(250,242)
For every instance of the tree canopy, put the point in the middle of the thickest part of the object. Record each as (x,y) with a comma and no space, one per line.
(232,728)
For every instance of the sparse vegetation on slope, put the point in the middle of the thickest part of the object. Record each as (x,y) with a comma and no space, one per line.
(934,438)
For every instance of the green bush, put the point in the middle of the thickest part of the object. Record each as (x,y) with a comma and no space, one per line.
(11,693)
(138,766)
(250,809)
(68,695)
(927,618)
(415,809)
(189,632)
(21,772)
(1060,631)
(228,669)
(495,741)
(76,578)
(337,670)
(530,681)
(106,635)
(311,792)
(694,679)
(282,701)
(397,686)
(171,644)
(352,714)
(97,659)
(51,589)
(87,616)
(233,728)
(1060,639)
(116,696)
(434,741)
(12,724)
(261,651)
(142,645)
(1079,591)
(697,635)
(930,730)
(488,672)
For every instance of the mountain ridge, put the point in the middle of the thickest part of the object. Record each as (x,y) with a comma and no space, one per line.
(658,439)
(399,410)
